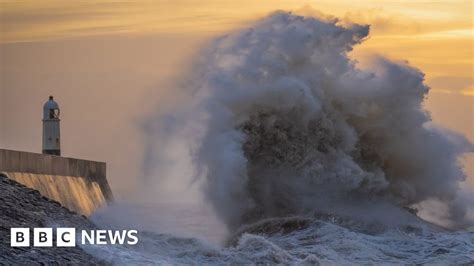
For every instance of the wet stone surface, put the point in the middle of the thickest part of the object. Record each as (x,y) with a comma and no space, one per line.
(21,206)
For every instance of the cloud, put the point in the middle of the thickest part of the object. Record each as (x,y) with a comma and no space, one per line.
(58,19)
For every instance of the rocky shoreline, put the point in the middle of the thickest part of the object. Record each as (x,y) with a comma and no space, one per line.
(21,206)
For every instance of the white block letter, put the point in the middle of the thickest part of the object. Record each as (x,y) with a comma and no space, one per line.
(20,237)
(66,237)
(90,237)
(43,237)
(132,234)
(101,237)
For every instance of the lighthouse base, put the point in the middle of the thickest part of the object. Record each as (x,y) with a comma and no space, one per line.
(52,152)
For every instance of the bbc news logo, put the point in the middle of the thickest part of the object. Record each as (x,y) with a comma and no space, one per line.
(66,237)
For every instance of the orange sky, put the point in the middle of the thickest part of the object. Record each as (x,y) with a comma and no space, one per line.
(436,36)
(76,49)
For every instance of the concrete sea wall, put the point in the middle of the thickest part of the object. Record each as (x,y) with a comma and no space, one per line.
(79,185)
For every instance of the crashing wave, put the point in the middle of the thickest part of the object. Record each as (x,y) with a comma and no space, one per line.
(281,122)
(327,240)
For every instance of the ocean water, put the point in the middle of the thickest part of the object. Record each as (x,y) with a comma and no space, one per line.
(181,234)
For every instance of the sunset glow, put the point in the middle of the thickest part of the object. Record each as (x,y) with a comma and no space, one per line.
(414,30)
(434,36)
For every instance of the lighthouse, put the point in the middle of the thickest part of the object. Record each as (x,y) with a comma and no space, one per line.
(51,136)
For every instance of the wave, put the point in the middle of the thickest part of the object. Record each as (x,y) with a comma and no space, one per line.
(327,240)
(279,121)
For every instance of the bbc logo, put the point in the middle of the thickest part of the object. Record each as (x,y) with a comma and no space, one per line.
(66,237)
(43,237)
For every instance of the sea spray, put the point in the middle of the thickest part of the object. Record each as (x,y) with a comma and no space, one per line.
(279,121)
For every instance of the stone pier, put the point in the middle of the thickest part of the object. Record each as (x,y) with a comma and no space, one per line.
(79,185)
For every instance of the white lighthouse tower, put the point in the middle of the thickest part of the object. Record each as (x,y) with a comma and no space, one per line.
(51,136)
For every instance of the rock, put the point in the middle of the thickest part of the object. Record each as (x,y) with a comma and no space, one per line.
(24,207)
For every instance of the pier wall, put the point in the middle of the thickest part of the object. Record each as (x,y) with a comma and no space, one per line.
(79,185)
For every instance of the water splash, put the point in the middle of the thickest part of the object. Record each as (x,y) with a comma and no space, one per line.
(279,121)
